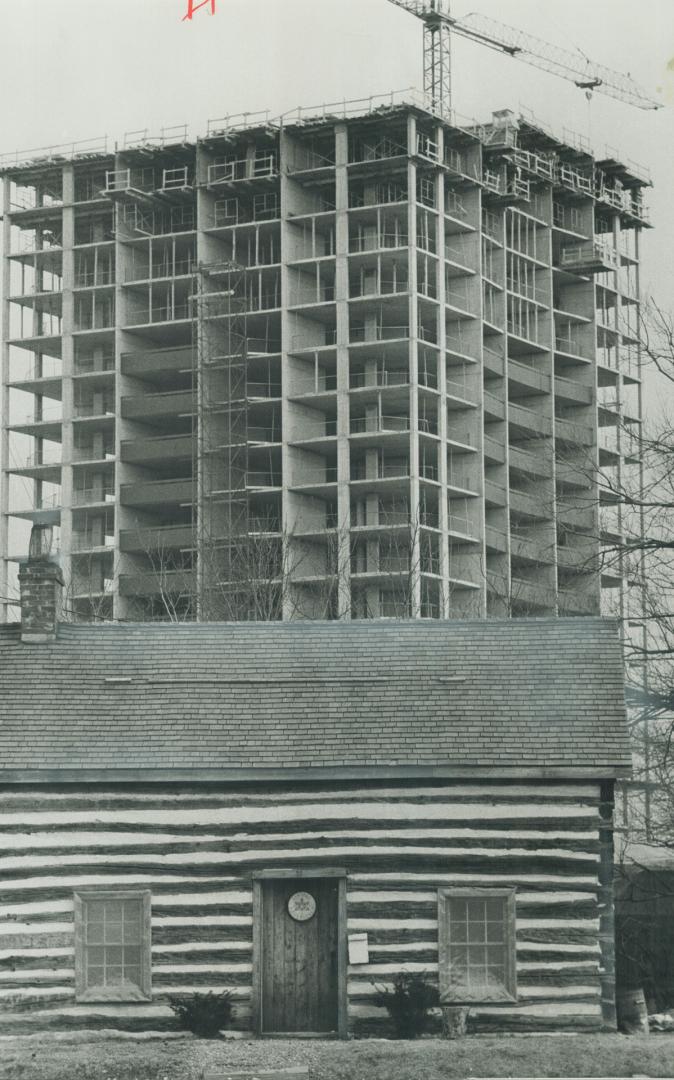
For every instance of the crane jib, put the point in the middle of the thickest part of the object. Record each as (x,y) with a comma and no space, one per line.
(439,23)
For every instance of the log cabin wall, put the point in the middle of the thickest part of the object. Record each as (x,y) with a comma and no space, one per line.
(196,848)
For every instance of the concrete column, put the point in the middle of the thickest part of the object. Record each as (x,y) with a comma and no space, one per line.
(67,367)
(123,518)
(4,406)
(415,547)
(479,384)
(343,424)
(620,470)
(443,509)
(204,255)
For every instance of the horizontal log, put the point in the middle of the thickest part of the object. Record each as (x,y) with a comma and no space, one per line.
(82,1011)
(359,896)
(61,903)
(481,1024)
(31,953)
(398,955)
(37,979)
(189,952)
(24,902)
(572,935)
(321,844)
(202,920)
(191,981)
(29,1025)
(35,889)
(159,846)
(52,833)
(357,810)
(124,796)
(429,909)
(351,856)
(557,976)
(177,910)
(556,951)
(531,882)
(204,932)
(230,950)
(45,931)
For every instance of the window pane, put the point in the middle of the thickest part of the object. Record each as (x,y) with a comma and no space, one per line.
(457,909)
(94,933)
(477,931)
(95,976)
(132,975)
(113,976)
(113,955)
(495,909)
(113,933)
(496,955)
(131,956)
(113,910)
(495,931)
(458,931)
(132,934)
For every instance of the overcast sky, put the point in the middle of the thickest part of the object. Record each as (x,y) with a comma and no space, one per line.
(75,69)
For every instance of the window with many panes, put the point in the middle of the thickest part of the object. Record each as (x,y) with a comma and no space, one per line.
(112,945)
(477,945)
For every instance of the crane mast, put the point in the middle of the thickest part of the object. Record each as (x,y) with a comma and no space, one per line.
(439,25)
(437,21)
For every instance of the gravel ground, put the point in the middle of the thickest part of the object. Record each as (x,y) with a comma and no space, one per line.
(367,1059)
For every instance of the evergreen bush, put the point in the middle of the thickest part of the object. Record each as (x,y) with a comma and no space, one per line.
(409,1003)
(204,1014)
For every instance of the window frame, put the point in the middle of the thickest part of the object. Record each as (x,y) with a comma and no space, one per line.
(83,992)
(448,993)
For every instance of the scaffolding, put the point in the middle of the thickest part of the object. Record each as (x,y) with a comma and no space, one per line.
(220,510)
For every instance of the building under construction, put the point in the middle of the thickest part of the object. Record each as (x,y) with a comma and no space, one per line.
(358,361)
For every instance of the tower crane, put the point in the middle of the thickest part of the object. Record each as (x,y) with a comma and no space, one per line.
(439,25)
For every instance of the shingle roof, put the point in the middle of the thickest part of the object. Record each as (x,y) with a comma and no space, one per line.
(536,694)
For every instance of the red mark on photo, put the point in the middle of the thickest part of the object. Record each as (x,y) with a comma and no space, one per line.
(194,5)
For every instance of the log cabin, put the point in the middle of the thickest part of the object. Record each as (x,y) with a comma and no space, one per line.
(298,811)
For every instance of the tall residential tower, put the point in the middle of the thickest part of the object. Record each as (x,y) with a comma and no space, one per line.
(357,362)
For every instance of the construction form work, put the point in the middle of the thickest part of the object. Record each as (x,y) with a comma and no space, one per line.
(357,361)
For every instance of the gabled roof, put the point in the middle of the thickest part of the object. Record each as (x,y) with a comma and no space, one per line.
(510,697)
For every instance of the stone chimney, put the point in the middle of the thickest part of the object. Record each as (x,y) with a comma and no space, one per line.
(40,584)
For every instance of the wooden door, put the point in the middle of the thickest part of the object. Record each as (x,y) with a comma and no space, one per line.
(299,955)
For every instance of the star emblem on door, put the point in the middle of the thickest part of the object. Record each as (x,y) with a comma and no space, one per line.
(301,906)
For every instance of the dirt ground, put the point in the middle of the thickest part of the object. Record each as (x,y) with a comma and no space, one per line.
(428,1059)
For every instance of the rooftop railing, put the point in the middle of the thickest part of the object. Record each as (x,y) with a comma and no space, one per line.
(141,137)
(239,122)
(58,151)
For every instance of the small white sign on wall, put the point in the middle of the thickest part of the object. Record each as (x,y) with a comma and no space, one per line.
(358,950)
